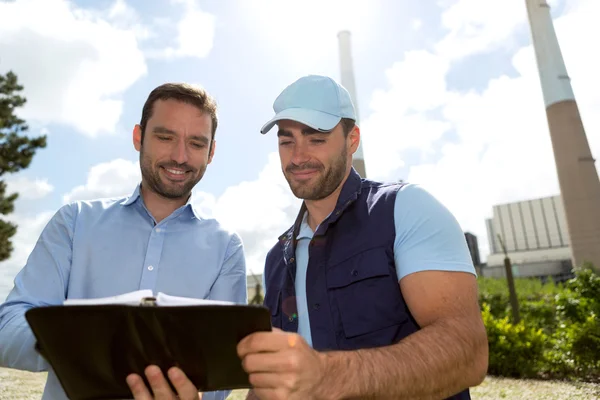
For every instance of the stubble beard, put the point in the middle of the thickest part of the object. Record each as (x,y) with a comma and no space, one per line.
(326,184)
(154,182)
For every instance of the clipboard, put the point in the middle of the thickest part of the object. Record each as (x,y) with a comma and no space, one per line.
(92,345)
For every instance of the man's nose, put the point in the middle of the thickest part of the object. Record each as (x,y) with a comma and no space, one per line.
(300,154)
(179,153)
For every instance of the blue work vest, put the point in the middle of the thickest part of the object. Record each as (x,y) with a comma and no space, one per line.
(352,291)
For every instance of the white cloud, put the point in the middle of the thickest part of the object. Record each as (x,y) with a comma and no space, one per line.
(501,149)
(75,63)
(258,210)
(303,34)
(482,26)
(29,189)
(74,66)
(29,229)
(109,179)
(399,118)
(477,25)
(126,17)
(195,34)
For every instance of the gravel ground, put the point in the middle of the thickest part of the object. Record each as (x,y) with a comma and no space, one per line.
(18,385)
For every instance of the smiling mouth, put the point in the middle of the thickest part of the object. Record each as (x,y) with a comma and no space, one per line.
(304,174)
(174,173)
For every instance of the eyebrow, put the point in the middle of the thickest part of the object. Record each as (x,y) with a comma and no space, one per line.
(305,132)
(163,130)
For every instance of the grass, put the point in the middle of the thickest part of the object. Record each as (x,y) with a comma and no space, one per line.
(19,385)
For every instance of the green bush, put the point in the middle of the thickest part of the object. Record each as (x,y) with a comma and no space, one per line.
(515,350)
(586,347)
(574,351)
(559,332)
(540,314)
(581,297)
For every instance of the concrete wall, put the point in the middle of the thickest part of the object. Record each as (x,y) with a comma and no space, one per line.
(558,270)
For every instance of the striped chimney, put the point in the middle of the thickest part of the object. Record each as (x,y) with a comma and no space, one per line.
(347,81)
(577,174)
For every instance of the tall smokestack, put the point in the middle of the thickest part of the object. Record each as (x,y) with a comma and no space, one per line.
(347,80)
(577,174)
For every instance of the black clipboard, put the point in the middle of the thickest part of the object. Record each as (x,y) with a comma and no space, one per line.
(92,348)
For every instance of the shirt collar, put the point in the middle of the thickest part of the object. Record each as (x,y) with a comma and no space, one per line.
(305,232)
(133,197)
(137,195)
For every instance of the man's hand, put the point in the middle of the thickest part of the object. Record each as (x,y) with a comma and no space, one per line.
(282,366)
(160,387)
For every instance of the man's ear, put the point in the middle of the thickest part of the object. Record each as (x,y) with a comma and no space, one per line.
(137,137)
(354,137)
(213,144)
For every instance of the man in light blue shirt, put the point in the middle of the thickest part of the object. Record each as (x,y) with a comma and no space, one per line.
(153,239)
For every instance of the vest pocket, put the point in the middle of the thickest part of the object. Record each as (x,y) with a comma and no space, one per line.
(366,294)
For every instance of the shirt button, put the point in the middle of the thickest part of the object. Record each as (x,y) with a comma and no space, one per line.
(354,272)
(150,268)
(157,229)
(316,306)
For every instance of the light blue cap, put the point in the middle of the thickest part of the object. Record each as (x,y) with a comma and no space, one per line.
(313,100)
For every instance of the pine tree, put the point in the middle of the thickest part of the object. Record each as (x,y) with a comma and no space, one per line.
(16,152)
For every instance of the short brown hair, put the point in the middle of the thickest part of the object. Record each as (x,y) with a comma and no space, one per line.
(186,93)
(347,125)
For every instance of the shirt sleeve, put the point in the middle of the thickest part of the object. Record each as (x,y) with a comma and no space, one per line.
(42,281)
(231,284)
(428,236)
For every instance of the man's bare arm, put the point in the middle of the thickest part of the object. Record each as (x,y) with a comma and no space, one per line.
(448,355)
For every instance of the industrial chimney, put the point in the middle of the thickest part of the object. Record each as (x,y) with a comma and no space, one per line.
(347,81)
(577,174)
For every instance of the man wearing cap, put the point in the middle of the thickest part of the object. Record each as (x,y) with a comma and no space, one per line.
(372,290)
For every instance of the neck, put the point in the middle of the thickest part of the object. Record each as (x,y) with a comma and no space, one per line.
(159,206)
(318,210)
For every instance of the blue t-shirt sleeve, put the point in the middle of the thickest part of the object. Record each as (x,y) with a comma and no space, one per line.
(428,236)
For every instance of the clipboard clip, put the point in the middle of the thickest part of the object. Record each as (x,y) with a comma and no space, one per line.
(148,302)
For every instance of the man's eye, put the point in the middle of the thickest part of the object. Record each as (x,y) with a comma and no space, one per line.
(317,141)
(198,145)
(164,138)
(284,143)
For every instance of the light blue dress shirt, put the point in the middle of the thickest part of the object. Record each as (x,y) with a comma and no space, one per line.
(107,247)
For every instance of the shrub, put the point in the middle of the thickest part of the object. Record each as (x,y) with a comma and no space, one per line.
(536,299)
(559,332)
(581,297)
(515,350)
(574,350)
(539,314)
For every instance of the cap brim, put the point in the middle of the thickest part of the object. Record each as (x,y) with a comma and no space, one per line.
(315,119)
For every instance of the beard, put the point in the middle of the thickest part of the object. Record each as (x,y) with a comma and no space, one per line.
(326,182)
(163,186)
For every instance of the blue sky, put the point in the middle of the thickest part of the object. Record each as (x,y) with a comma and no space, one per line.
(446,90)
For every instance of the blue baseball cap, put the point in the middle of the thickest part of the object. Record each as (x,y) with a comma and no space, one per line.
(313,100)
